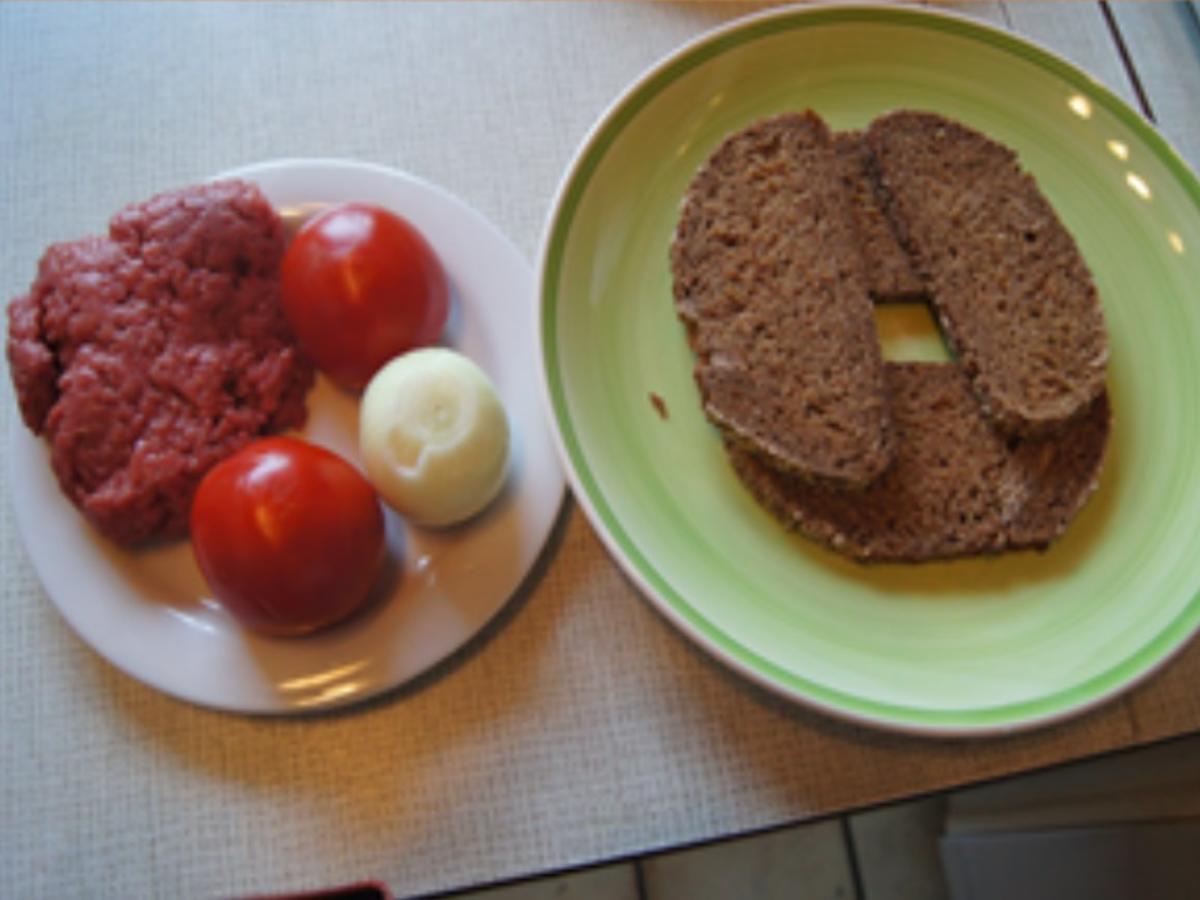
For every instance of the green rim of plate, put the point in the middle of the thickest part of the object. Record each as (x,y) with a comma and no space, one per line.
(964,720)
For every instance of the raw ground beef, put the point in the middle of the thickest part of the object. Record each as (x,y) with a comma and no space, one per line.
(148,356)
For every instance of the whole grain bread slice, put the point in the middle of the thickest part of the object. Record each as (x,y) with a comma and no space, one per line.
(768,280)
(1005,277)
(957,487)
(889,269)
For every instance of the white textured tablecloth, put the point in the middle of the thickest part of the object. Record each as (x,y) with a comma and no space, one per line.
(579,726)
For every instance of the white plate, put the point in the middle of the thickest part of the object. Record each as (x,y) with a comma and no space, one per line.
(150,613)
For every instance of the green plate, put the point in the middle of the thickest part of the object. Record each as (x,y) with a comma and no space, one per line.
(967,647)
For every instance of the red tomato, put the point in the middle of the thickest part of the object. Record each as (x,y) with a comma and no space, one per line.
(360,286)
(288,534)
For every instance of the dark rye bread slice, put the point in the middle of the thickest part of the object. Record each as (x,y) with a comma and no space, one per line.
(957,487)
(1006,280)
(768,280)
(888,267)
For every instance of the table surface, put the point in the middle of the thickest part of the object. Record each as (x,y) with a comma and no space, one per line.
(580,726)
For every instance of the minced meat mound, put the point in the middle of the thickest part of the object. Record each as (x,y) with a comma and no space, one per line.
(148,356)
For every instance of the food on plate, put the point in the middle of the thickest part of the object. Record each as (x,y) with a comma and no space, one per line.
(434,436)
(996,451)
(768,279)
(289,535)
(1008,284)
(146,356)
(660,405)
(957,486)
(889,269)
(360,286)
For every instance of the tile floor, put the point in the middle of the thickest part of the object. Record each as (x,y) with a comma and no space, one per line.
(1079,824)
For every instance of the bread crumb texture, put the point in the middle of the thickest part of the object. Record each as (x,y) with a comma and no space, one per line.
(787,235)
